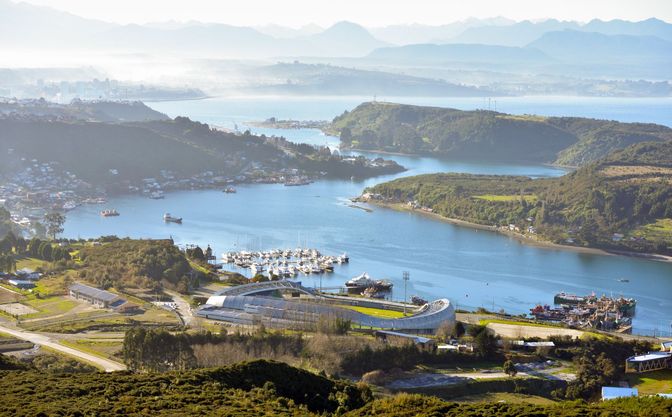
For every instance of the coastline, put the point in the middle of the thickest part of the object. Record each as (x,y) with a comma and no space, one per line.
(527,240)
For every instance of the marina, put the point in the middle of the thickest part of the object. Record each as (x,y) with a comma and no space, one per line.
(285,263)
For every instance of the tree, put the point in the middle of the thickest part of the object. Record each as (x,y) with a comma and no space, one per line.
(510,368)
(459,329)
(55,222)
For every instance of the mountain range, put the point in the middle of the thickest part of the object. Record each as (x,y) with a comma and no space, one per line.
(24,25)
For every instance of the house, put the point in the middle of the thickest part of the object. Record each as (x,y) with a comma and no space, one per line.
(611,393)
(652,361)
(95,296)
(397,338)
(666,346)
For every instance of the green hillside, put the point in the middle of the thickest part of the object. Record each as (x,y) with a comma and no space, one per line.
(118,153)
(487,135)
(259,388)
(629,193)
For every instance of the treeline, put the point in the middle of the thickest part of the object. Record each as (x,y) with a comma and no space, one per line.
(12,247)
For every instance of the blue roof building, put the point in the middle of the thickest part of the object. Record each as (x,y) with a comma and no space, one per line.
(611,393)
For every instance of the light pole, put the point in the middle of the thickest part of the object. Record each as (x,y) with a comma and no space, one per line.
(406,276)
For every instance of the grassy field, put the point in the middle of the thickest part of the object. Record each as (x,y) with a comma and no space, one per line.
(104,349)
(506,397)
(377,312)
(658,382)
(506,198)
(50,306)
(30,263)
(658,230)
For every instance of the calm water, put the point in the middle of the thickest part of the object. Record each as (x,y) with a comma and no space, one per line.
(472,268)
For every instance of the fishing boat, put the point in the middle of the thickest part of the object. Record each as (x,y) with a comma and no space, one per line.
(109,213)
(564,298)
(156,195)
(171,219)
(230,190)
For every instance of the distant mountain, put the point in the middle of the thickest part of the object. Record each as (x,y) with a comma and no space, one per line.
(318,79)
(432,53)
(344,39)
(23,24)
(283,32)
(418,33)
(488,135)
(590,47)
(525,32)
(28,26)
(517,34)
(649,27)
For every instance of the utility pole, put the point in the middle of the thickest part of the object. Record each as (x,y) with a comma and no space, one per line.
(406,276)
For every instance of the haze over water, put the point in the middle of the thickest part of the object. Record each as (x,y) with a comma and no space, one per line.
(472,268)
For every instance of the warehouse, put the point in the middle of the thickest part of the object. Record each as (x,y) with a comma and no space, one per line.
(652,361)
(95,296)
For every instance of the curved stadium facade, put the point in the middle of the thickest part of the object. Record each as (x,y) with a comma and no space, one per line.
(247,304)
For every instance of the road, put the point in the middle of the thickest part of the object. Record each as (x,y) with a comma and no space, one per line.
(38,339)
(183,308)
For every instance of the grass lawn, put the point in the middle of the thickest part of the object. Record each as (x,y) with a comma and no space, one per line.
(50,306)
(506,198)
(657,382)
(507,397)
(377,312)
(661,229)
(517,323)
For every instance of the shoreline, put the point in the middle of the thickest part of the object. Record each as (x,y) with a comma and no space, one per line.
(526,240)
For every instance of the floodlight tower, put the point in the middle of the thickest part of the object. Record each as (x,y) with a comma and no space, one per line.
(406,276)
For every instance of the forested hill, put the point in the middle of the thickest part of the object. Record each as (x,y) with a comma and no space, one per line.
(105,154)
(487,135)
(623,202)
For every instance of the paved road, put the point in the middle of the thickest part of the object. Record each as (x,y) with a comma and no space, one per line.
(183,307)
(42,340)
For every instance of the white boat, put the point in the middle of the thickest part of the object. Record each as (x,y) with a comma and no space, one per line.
(156,195)
(257,268)
(360,281)
(109,213)
(171,219)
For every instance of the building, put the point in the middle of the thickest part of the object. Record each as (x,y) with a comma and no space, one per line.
(22,284)
(652,361)
(666,346)
(397,339)
(611,393)
(95,296)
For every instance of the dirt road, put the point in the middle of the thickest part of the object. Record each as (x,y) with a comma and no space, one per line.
(43,340)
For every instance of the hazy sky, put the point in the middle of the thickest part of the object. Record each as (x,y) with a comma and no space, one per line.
(368,12)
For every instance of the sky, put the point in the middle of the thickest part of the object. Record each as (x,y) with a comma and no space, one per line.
(373,13)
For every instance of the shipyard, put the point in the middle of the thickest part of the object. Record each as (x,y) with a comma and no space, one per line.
(589,312)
